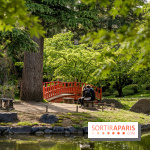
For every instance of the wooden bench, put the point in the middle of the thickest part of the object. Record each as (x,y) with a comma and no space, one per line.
(68,100)
(6,103)
(89,104)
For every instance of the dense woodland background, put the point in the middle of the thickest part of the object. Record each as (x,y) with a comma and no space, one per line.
(104,43)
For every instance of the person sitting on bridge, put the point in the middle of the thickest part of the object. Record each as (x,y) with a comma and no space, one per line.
(87,94)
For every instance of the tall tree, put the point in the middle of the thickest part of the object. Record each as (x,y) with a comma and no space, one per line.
(56,16)
(67,61)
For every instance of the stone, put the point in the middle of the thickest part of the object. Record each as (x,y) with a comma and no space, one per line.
(42,128)
(67,132)
(58,129)
(141,106)
(8,117)
(85,130)
(39,133)
(3,128)
(47,118)
(34,129)
(47,131)
(144,127)
(21,130)
(72,130)
(80,131)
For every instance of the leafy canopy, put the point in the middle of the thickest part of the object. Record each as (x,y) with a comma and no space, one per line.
(132,39)
(13,13)
(68,61)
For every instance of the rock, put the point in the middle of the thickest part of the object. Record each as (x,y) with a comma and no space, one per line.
(34,129)
(21,130)
(47,131)
(85,129)
(39,133)
(58,129)
(141,106)
(72,130)
(144,127)
(42,128)
(47,118)
(80,131)
(3,128)
(67,132)
(8,117)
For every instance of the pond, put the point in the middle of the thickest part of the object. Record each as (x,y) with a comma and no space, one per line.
(69,143)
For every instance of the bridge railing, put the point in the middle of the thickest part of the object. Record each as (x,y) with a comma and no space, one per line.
(54,88)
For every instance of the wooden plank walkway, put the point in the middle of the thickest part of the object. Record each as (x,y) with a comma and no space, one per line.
(59,96)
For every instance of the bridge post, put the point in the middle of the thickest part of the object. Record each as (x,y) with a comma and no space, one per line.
(75,84)
(57,90)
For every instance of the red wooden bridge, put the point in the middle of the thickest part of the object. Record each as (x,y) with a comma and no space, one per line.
(55,90)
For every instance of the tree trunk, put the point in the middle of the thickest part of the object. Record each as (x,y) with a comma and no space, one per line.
(120,92)
(32,79)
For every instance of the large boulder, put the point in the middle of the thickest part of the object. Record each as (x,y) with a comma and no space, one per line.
(47,118)
(8,117)
(141,106)
(21,130)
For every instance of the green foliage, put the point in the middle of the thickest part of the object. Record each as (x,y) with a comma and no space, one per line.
(133,87)
(8,91)
(5,124)
(127,92)
(45,101)
(14,13)
(146,86)
(27,123)
(67,61)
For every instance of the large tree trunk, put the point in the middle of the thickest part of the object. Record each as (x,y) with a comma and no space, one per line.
(32,80)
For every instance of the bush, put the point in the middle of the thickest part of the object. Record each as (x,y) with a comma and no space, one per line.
(115,93)
(133,87)
(106,93)
(128,92)
(146,86)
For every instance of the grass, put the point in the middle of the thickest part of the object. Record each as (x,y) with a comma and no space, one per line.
(56,124)
(118,115)
(5,124)
(27,123)
(76,126)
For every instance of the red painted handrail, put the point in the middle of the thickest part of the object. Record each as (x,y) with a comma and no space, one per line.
(54,88)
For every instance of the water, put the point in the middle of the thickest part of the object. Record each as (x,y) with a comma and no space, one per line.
(69,143)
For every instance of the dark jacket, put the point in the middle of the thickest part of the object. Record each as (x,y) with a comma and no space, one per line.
(86,94)
(93,94)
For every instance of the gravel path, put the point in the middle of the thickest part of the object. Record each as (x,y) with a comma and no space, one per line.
(39,107)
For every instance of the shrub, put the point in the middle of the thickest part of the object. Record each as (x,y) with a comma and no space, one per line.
(115,93)
(133,88)
(146,86)
(106,93)
(128,92)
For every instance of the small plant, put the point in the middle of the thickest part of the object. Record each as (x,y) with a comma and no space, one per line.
(69,113)
(45,101)
(27,123)
(59,121)
(5,124)
(56,124)
(76,126)
(43,124)
(75,120)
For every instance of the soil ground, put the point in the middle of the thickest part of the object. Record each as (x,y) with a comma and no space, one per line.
(32,111)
